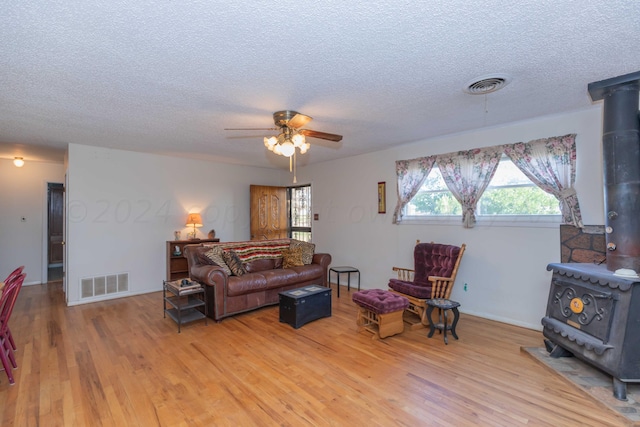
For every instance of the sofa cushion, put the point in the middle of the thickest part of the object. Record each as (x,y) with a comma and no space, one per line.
(234,263)
(247,284)
(308,250)
(260,265)
(292,257)
(293,275)
(280,277)
(215,255)
(309,272)
(277,263)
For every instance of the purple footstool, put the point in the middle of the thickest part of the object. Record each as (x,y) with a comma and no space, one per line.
(380,312)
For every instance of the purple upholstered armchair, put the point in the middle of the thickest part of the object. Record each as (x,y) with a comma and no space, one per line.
(433,276)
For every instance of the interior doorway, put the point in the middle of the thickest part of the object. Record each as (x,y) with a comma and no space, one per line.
(55,232)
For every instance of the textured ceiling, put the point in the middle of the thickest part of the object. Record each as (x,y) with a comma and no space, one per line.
(168,76)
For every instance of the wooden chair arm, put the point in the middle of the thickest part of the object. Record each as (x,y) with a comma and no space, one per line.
(441,286)
(405,274)
(436,278)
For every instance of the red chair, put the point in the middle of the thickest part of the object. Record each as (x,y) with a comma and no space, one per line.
(14,274)
(7,301)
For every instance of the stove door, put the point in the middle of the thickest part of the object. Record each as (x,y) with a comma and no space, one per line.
(590,310)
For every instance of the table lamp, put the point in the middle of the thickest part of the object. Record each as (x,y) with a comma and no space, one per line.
(195,220)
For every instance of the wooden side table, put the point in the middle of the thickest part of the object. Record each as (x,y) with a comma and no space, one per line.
(443,305)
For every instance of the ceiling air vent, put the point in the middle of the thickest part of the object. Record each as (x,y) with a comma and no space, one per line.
(487,84)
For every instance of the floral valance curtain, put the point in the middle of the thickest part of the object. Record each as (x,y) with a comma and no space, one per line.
(411,175)
(550,163)
(467,174)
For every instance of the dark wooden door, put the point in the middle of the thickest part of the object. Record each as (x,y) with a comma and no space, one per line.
(268,212)
(55,221)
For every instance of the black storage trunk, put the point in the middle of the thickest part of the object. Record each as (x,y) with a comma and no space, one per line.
(303,305)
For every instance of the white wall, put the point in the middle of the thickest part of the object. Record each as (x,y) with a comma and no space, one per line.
(23,192)
(123,206)
(504,267)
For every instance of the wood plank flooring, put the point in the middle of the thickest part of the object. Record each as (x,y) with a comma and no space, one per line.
(120,363)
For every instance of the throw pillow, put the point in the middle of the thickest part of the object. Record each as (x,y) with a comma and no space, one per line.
(234,263)
(308,249)
(215,255)
(292,258)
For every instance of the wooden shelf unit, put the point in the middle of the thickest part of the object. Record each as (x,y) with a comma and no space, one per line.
(177,267)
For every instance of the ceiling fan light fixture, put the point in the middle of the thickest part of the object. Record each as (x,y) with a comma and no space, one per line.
(285,144)
(287,148)
(270,142)
(292,136)
(298,140)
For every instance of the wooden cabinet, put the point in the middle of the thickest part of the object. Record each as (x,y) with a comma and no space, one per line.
(177,267)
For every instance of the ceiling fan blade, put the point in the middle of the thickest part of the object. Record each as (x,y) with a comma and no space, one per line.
(298,121)
(321,135)
(251,128)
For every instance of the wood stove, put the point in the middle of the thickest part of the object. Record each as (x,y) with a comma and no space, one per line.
(593,311)
(590,313)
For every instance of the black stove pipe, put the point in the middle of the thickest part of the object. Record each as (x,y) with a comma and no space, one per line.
(621,158)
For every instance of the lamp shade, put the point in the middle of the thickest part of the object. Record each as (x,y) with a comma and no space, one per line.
(194,219)
(287,149)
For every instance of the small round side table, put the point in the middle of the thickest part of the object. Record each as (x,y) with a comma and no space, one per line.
(443,305)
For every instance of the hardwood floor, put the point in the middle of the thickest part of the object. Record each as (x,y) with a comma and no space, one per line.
(120,363)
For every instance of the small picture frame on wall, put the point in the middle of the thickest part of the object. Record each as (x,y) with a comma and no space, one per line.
(382,197)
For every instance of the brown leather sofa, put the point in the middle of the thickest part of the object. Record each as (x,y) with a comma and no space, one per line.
(264,279)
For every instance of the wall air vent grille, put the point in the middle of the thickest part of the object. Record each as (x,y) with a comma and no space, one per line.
(99,286)
(487,84)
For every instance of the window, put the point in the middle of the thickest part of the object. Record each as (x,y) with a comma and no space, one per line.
(300,212)
(510,193)
(434,198)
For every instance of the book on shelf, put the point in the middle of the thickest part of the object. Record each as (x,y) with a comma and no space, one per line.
(177,285)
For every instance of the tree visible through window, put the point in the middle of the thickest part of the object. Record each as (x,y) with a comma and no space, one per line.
(300,212)
(509,193)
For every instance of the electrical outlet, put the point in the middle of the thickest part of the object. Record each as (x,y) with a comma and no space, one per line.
(466,287)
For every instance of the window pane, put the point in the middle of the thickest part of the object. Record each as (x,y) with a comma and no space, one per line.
(528,200)
(305,236)
(434,198)
(512,193)
(300,213)
(508,174)
(301,206)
